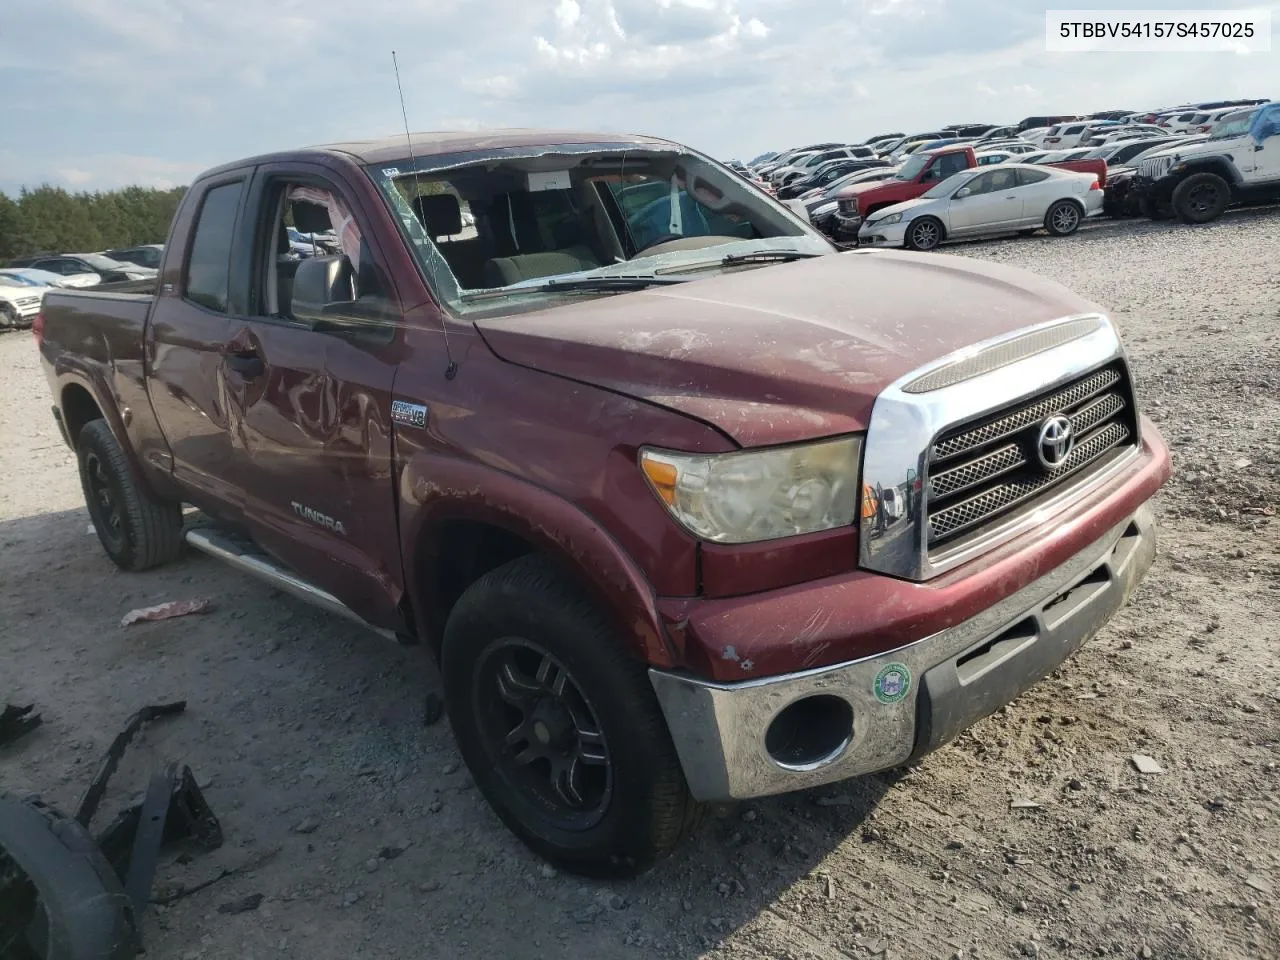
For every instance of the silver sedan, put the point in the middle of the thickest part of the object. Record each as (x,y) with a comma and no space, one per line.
(986,201)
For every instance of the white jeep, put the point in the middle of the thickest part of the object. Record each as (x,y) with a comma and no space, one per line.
(1239,163)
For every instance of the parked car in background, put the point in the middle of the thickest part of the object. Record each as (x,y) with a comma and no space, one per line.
(46,278)
(1117,200)
(826,174)
(1029,123)
(74,264)
(19,301)
(1122,151)
(980,203)
(988,157)
(146,255)
(1064,135)
(913,178)
(823,205)
(1238,163)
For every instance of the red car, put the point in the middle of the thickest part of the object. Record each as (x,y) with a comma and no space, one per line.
(920,172)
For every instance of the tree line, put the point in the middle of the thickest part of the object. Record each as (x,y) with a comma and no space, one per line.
(50,218)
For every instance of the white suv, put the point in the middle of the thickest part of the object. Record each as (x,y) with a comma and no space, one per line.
(1239,161)
(19,302)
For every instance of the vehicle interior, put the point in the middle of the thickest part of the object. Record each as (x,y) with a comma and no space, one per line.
(504,222)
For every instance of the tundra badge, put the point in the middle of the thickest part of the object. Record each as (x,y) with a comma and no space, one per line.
(315,516)
(410,414)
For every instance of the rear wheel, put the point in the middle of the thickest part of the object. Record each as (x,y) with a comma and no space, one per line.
(136,530)
(1201,197)
(924,234)
(1063,218)
(559,727)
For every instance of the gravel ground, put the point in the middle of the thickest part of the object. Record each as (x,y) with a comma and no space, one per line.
(366,838)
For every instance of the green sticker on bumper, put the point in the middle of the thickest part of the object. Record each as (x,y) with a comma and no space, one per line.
(893,683)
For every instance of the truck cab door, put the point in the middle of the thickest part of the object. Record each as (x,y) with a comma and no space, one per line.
(184,343)
(310,403)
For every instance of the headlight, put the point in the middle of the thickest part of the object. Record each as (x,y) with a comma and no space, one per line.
(889,220)
(759,494)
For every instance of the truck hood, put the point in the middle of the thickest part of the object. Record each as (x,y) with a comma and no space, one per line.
(781,353)
(857,189)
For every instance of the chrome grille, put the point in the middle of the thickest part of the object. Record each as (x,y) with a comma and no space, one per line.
(978,473)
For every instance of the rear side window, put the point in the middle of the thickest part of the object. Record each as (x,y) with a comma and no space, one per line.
(1027,176)
(209,265)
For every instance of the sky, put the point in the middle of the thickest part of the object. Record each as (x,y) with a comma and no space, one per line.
(97,94)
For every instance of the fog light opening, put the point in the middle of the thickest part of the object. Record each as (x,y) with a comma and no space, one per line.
(810,732)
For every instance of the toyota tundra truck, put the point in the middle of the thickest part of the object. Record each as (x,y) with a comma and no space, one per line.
(688,505)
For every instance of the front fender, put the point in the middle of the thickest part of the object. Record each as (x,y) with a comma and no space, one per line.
(435,489)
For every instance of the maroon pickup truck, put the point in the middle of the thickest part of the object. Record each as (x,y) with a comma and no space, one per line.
(607,430)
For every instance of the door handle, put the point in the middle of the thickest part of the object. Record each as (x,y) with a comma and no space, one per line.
(248,365)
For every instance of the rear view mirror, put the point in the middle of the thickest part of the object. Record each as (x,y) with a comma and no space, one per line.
(963,192)
(324,298)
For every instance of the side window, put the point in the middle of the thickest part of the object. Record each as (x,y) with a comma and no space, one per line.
(1002,180)
(1029,175)
(209,265)
(311,223)
(953,163)
(980,184)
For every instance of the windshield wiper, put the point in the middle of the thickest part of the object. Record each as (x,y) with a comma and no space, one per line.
(619,283)
(767,256)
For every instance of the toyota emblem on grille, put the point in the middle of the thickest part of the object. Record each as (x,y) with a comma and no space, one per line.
(1055,441)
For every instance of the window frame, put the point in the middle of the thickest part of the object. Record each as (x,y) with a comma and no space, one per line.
(258,223)
(241,177)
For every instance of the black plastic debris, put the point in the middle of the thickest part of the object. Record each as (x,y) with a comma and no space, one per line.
(17,722)
(66,895)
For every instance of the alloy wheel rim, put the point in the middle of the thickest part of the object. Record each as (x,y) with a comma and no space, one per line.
(542,733)
(1065,218)
(102,500)
(926,235)
(1203,198)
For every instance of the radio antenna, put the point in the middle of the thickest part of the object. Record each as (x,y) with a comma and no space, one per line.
(451,370)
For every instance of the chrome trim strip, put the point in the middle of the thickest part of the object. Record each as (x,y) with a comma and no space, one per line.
(904,426)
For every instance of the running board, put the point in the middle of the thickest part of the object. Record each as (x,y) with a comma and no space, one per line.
(232,552)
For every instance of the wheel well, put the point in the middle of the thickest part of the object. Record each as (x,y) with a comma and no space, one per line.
(456,555)
(78,408)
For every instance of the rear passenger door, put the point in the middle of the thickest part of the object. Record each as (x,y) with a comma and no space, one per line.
(310,408)
(185,342)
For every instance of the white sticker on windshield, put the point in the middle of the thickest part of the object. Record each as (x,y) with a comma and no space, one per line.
(391,171)
(555,180)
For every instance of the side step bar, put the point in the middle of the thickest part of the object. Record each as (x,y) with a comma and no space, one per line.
(233,552)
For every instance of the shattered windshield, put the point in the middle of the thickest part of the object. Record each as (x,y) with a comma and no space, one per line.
(485,228)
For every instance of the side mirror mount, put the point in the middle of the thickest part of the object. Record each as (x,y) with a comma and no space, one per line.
(324,299)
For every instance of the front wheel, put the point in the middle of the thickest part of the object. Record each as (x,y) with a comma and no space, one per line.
(924,234)
(136,530)
(1063,218)
(1201,197)
(8,316)
(559,726)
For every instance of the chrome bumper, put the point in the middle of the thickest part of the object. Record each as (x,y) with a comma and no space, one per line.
(952,679)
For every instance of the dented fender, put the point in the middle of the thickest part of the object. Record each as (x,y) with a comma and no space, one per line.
(435,489)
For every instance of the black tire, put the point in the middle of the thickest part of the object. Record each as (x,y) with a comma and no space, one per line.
(8,317)
(1063,218)
(923,234)
(137,530)
(527,607)
(1201,197)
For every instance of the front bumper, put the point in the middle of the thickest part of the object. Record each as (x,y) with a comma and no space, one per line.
(877,235)
(909,700)
(846,226)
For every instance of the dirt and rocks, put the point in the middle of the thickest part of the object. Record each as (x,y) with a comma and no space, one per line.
(356,833)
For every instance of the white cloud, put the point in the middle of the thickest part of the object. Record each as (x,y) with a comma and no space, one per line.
(151,91)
